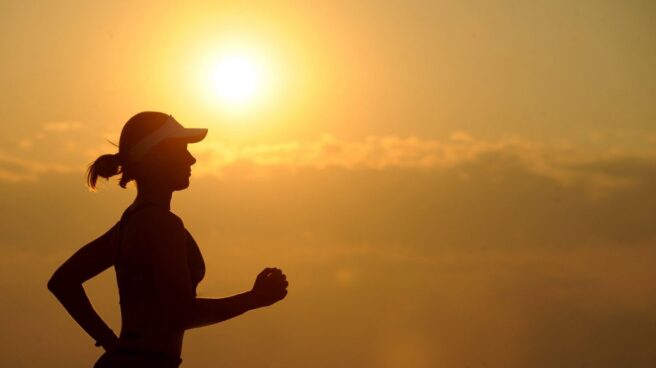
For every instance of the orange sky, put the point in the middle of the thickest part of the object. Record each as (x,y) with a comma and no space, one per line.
(445,183)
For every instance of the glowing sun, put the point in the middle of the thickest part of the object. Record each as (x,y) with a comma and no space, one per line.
(235,79)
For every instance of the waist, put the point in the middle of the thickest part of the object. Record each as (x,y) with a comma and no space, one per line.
(146,343)
(148,353)
(127,357)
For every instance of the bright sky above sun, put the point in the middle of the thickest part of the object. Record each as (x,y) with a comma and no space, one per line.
(350,69)
(445,183)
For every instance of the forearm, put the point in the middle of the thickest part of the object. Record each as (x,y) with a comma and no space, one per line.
(208,311)
(74,299)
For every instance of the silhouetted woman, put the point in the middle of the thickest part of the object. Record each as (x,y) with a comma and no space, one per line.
(157,262)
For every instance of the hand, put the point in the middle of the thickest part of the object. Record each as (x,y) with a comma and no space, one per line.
(111,344)
(270,286)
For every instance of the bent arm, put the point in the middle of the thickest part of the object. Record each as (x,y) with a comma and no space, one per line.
(66,284)
(163,238)
(208,311)
(76,302)
(270,286)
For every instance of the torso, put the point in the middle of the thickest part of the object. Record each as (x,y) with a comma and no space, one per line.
(139,309)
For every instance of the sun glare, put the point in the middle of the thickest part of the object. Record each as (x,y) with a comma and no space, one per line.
(235,80)
(232,81)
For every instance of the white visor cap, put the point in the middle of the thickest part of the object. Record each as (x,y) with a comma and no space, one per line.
(170,129)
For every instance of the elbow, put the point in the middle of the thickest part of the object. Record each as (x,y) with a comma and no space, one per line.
(56,283)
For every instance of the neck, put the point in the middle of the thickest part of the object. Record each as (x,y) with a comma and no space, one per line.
(153,194)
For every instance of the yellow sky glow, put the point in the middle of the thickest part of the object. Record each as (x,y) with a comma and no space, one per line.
(446,183)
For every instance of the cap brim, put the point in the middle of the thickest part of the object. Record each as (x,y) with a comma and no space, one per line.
(191,135)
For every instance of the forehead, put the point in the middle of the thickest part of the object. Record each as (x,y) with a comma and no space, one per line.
(173,146)
(175,142)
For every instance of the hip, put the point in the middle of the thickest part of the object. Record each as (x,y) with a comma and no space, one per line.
(128,358)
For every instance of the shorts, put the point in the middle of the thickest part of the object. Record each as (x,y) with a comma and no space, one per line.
(123,358)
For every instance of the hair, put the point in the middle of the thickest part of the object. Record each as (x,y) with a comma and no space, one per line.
(105,166)
(133,131)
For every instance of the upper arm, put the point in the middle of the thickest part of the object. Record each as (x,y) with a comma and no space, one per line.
(88,261)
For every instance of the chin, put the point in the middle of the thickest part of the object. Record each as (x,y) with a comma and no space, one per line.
(181,185)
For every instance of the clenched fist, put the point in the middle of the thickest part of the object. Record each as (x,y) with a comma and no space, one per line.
(270,286)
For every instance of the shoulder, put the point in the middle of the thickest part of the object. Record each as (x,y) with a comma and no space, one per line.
(157,222)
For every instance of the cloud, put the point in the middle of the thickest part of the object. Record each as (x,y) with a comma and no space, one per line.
(13,169)
(62,126)
(581,163)
(54,148)
(566,163)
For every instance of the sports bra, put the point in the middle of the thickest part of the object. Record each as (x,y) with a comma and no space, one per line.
(135,278)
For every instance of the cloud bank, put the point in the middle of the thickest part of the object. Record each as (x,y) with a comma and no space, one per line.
(62,147)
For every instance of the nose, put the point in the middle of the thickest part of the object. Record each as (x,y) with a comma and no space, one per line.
(191,159)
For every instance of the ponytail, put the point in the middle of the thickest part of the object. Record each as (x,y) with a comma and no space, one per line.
(105,166)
